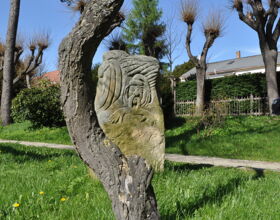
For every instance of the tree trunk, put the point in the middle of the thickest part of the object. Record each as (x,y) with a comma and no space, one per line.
(9,68)
(127,180)
(200,91)
(27,78)
(270,62)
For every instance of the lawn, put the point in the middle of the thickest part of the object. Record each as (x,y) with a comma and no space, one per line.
(252,138)
(54,184)
(24,132)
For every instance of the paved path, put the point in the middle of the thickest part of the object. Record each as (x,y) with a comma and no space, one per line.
(262,165)
(39,144)
(215,161)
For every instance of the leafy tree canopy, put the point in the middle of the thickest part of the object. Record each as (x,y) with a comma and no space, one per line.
(182,68)
(143,29)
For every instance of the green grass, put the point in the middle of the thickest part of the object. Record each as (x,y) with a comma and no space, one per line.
(183,191)
(24,132)
(252,138)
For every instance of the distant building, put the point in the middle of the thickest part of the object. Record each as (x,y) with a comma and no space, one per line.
(238,66)
(53,76)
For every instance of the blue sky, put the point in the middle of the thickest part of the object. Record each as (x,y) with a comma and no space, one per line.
(55,17)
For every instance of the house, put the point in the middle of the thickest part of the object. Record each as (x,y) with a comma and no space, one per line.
(53,76)
(238,66)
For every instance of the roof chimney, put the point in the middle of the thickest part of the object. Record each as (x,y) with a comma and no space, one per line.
(238,54)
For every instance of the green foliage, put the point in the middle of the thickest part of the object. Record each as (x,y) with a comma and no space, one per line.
(41,106)
(143,29)
(201,192)
(226,87)
(166,98)
(94,76)
(179,70)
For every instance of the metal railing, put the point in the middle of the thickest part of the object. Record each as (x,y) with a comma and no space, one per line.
(235,106)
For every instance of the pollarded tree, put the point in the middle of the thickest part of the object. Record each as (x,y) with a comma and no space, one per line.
(212,29)
(126,179)
(8,66)
(27,67)
(37,45)
(266,22)
(144,31)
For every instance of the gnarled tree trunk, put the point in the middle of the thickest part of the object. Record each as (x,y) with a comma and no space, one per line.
(9,65)
(200,91)
(127,180)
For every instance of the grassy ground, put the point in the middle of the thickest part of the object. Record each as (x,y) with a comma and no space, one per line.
(252,138)
(23,132)
(52,184)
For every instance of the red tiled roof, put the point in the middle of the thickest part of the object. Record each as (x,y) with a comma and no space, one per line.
(52,76)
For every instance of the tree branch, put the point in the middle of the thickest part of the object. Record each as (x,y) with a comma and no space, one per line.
(208,43)
(188,45)
(276,31)
(271,19)
(239,8)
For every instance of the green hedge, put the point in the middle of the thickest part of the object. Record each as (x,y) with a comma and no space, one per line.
(227,87)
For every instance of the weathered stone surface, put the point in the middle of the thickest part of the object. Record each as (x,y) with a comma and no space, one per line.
(127,105)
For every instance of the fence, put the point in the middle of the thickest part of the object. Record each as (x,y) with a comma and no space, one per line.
(236,106)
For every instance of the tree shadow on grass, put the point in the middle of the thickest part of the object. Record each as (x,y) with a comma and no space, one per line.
(216,197)
(181,140)
(185,167)
(22,156)
(175,123)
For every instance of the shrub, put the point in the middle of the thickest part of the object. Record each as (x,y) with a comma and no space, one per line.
(41,106)
(166,98)
(227,87)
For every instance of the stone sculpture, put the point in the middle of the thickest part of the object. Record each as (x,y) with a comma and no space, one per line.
(127,105)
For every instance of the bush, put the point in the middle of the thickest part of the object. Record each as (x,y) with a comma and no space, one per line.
(41,106)
(227,87)
(166,98)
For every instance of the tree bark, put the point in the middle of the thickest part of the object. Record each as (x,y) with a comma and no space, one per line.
(200,92)
(270,62)
(9,67)
(266,22)
(127,180)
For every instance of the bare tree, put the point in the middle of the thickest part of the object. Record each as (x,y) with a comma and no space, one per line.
(266,22)
(172,41)
(126,179)
(26,68)
(9,68)
(212,28)
(36,46)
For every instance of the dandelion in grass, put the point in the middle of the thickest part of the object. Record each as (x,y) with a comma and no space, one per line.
(49,161)
(63,199)
(16,205)
(41,193)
